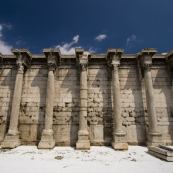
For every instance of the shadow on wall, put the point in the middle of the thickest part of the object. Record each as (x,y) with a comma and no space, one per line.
(7,79)
(100,106)
(66,110)
(32,111)
(132,104)
(39,84)
(162,84)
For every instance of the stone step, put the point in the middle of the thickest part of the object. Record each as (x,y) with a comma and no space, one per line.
(167,158)
(166,148)
(161,151)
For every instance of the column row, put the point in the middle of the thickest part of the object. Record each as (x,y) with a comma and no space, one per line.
(119,136)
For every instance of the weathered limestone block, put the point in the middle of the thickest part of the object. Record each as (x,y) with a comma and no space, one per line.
(65,135)
(28,133)
(97,134)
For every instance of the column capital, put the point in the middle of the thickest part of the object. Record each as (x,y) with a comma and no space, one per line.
(23,57)
(83,60)
(145,59)
(113,57)
(169,60)
(53,56)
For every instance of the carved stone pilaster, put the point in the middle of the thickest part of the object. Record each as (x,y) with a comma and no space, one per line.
(47,140)
(83,141)
(145,62)
(12,138)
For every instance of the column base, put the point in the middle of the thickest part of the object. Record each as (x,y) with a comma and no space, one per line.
(83,142)
(47,141)
(154,139)
(119,146)
(11,140)
(82,145)
(119,141)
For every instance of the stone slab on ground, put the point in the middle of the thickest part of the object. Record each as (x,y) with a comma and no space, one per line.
(166,147)
(167,158)
(162,152)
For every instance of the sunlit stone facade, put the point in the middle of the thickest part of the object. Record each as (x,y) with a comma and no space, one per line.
(86,99)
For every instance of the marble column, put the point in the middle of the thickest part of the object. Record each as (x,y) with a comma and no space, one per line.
(12,137)
(119,136)
(154,136)
(47,140)
(83,141)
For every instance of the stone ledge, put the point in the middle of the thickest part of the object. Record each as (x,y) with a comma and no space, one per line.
(167,158)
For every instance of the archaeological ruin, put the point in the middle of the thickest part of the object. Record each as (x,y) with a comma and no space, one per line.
(86,99)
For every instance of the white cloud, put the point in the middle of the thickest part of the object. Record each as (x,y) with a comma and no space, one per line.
(93,50)
(76,38)
(9,26)
(101,37)
(20,42)
(67,48)
(131,39)
(4,47)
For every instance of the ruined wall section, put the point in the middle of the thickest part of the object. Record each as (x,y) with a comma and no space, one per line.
(33,102)
(7,81)
(99,102)
(162,84)
(132,102)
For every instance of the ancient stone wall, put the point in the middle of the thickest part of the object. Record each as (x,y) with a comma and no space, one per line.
(100,107)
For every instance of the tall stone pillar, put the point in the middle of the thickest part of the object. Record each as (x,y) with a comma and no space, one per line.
(12,138)
(119,141)
(145,60)
(47,141)
(83,141)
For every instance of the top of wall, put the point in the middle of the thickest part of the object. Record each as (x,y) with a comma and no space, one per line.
(42,58)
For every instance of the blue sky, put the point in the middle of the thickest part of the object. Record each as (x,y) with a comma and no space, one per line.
(95,25)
